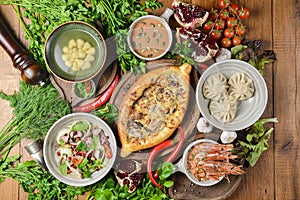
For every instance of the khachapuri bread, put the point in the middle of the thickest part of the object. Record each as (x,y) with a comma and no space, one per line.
(153,108)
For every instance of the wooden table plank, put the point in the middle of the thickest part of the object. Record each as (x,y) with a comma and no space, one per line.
(287,98)
(9,82)
(258,183)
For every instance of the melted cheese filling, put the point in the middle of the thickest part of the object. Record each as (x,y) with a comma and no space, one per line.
(152,111)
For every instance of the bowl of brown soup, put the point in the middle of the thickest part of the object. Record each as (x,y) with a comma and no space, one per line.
(150,37)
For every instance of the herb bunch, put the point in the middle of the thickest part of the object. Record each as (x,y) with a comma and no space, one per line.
(257,138)
(38,183)
(35,109)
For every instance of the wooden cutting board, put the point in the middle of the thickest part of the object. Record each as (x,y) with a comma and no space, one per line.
(183,187)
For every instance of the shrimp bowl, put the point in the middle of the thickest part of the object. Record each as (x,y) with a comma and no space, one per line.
(206,162)
(79,149)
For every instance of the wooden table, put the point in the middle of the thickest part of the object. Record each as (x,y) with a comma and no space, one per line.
(277,173)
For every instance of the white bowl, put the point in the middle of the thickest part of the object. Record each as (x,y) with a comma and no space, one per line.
(248,111)
(49,149)
(182,165)
(163,19)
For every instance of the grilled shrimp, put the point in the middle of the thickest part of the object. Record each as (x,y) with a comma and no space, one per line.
(208,161)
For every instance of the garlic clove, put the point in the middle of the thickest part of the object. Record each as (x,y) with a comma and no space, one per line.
(204,126)
(228,137)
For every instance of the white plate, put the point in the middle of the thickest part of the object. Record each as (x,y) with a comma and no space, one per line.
(248,111)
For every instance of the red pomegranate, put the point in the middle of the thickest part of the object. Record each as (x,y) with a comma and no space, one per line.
(204,46)
(128,173)
(189,15)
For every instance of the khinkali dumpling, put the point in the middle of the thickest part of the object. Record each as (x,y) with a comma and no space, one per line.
(215,87)
(224,110)
(240,86)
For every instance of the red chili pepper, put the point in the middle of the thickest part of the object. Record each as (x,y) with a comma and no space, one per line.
(175,152)
(158,148)
(153,153)
(100,100)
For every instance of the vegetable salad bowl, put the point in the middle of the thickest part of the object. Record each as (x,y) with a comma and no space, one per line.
(79,149)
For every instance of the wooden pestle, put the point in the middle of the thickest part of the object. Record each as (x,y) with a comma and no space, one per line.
(32,72)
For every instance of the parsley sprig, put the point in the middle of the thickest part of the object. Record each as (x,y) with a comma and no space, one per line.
(256,141)
(38,183)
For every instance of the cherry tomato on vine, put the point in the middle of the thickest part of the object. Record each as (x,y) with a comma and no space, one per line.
(236,41)
(234,7)
(216,34)
(226,42)
(224,14)
(208,25)
(240,30)
(229,32)
(219,25)
(223,3)
(244,13)
(213,14)
(231,22)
